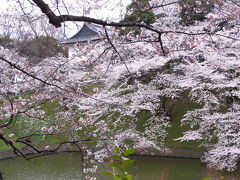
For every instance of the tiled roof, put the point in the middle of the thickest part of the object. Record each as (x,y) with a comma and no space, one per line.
(88,32)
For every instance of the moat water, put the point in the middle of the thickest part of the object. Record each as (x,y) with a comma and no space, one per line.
(68,166)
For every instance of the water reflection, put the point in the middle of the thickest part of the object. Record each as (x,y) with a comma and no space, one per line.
(68,167)
(218,174)
(55,167)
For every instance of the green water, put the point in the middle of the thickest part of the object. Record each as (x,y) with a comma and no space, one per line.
(68,167)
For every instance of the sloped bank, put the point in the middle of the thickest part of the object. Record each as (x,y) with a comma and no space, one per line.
(179,153)
(173,152)
(10,153)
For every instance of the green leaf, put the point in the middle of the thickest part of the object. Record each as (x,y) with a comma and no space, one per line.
(117,150)
(128,152)
(207,179)
(222,177)
(108,173)
(115,164)
(129,141)
(128,177)
(116,178)
(128,162)
(118,158)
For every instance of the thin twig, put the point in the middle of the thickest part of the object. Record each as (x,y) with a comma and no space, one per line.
(115,49)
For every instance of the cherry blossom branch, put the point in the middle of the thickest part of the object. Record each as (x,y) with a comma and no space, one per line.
(11,116)
(44,81)
(31,107)
(119,55)
(57,20)
(29,74)
(235,2)
(161,5)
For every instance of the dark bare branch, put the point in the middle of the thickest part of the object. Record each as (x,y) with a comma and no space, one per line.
(115,49)
(161,43)
(57,20)
(27,73)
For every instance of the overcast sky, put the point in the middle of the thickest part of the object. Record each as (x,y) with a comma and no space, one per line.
(111,9)
(5,4)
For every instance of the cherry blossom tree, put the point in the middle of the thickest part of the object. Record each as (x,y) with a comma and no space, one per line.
(124,76)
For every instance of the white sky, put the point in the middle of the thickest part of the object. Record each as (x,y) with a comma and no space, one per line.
(111,9)
(5,4)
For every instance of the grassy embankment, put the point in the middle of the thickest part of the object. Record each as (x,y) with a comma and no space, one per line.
(18,127)
(175,131)
(50,108)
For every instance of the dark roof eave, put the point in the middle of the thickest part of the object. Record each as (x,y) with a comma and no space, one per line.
(75,42)
(87,33)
